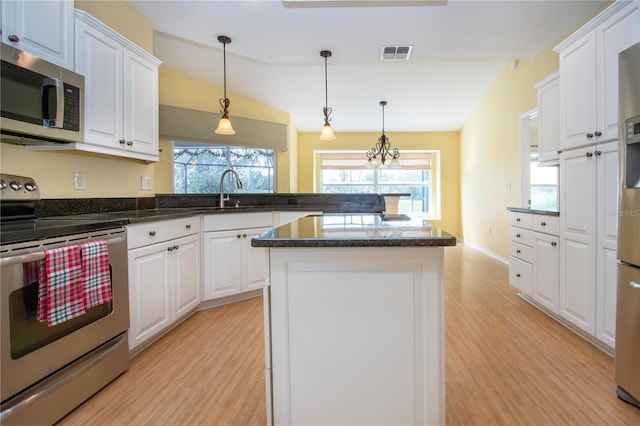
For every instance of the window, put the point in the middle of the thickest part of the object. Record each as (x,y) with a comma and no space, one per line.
(544,185)
(197,168)
(346,173)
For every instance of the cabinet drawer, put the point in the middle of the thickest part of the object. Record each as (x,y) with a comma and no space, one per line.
(520,235)
(226,221)
(139,235)
(521,275)
(521,252)
(546,224)
(523,220)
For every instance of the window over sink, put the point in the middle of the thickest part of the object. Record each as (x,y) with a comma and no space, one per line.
(197,168)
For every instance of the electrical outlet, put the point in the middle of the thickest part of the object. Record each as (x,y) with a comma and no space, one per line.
(79,181)
(146,183)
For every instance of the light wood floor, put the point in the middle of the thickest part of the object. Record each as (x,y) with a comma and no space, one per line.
(507,364)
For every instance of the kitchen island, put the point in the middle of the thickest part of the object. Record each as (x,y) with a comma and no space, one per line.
(354,321)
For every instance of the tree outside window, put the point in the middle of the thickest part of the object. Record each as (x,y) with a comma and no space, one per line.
(197,168)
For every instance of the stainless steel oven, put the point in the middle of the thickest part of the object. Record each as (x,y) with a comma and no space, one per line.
(49,370)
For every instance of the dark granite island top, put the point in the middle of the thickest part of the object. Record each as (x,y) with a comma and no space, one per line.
(355,230)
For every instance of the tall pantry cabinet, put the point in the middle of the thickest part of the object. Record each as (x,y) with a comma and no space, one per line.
(589,167)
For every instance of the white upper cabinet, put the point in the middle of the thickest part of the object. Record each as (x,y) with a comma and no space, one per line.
(589,75)
(121,92)
(42,28)
(548,119)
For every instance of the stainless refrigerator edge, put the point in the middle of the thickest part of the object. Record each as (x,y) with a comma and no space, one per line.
(627,351)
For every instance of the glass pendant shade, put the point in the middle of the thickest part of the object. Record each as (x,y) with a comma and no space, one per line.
(327,133)
(224,126)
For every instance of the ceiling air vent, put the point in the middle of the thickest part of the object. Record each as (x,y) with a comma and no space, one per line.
(395,53)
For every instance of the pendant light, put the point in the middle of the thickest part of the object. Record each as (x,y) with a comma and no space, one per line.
(327,131)
(224,125)
(383,149)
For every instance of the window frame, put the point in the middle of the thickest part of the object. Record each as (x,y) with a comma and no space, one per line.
(430,158)
(227,160)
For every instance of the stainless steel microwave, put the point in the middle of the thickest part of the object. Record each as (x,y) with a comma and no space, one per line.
(41,103)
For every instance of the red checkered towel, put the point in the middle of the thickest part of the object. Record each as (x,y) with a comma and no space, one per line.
(95,269)
(61,295)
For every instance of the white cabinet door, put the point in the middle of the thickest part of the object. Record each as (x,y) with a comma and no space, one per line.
(577,93)
(185,275)
(546,287)
(140,104)
(43,28)
(612,37)
(549,119)
(99,59)
(607,293)
(121,92)
(255,261)
(607,207)
(578,237)
(222,263)
(149,292)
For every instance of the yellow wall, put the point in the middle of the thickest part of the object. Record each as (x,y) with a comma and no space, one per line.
(489,147)
(178,89)
(121,17)
(446,142)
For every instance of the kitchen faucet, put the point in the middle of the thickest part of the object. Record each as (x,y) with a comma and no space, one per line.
(238,182)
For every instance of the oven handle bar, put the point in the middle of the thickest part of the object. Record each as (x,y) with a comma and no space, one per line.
(39,255)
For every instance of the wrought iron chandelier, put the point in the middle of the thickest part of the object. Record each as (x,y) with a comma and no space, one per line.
(327,131)
(377,155)
(224,125)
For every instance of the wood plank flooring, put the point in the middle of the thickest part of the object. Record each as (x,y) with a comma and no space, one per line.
(507,364)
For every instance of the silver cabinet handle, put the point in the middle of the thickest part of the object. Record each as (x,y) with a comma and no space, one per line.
(517,219)
(152,233)
(589,154)
(518,251)
(244,235)
(598,134)
(129,143)
(589,135)
(121,141)
(543,223)
(238,236)
(13,38)
(635,285)
(188,226)
(518,275)
(553,244)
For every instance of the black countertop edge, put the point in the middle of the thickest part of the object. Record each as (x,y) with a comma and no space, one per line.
(338,203)
(533,211)
(154,215)
(356,242)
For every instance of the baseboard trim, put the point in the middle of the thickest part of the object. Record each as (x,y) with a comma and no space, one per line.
(488,253)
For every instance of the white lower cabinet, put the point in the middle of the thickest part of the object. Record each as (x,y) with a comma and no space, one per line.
(231,265)
(546,264)
(534,257)
(164,275)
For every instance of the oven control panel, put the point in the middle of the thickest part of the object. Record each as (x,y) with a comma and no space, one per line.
(18,188)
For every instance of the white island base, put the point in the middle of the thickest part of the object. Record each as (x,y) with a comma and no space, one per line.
(355,335)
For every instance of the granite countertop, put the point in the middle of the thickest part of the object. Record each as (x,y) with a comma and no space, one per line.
(533,211)
(354,230)
(152,215)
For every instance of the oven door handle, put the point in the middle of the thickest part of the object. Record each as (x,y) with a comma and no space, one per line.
(39,255)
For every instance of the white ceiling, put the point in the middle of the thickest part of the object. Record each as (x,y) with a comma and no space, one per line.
(274,56)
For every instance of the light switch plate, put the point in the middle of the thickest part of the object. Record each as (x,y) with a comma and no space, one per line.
(146,183)
(79,180)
